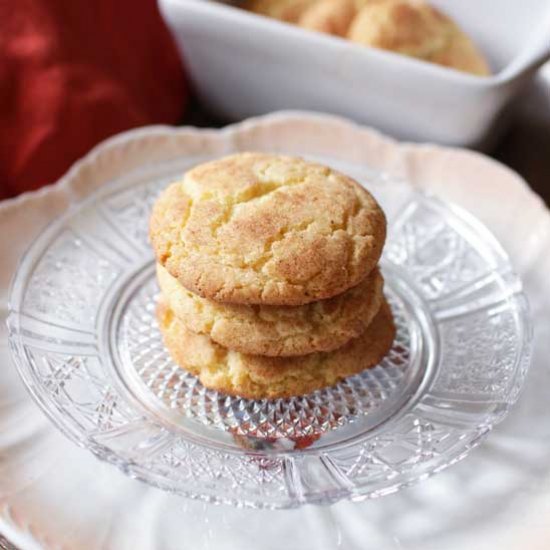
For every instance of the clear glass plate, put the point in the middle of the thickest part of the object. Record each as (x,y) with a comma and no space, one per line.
(85,341)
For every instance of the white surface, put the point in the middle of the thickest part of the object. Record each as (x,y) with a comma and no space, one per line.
(499,497)
(243,64)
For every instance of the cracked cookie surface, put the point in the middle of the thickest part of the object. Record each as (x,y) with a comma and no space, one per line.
(277,331)
(417,29)
(255,228)
(259,377)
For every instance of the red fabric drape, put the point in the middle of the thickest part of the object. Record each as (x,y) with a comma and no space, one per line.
(73,72)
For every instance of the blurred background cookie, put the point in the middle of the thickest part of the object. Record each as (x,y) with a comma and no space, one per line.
(409,27)
(462,54)
(332,16)
(283,10)
(402,26)
(416,29)
(329,16)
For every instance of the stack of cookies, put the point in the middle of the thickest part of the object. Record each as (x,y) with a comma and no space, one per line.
(268,273)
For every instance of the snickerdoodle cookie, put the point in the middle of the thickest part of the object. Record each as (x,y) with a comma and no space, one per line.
(255,228)
(409,27)
(259,377)
(277,330)
(283,10)
(329,16)
(417,29)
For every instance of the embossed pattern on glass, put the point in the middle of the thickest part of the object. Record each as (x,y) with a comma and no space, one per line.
(86,343)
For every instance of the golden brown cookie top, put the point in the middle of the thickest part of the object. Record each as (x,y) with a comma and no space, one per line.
(258,377)
(255,228)
(329,16)
(462,54)
(408,27)
(283,10)
(277,331)
(416,29)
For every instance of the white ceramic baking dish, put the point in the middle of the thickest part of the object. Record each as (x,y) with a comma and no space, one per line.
(243,64)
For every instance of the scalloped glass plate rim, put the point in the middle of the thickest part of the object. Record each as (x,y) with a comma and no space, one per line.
(135,470)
